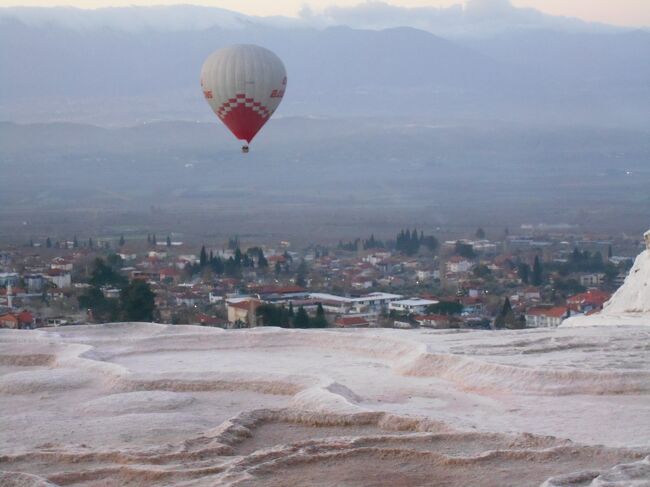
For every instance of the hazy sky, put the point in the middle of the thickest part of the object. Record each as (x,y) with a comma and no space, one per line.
(621,12)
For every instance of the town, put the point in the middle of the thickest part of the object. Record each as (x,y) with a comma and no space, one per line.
(535,277)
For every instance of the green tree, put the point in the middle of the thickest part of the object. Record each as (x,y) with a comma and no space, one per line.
(154,242)
(270,315)
(169,241)
(446,308)
(301,320)
(203,257)
(233,243)
(464,250)
(262,263)
(105,275)
(90,243)
(538,277)
(523,270)
(480,234)
(137,302)
(301,274)
(75,242)
(506,317)
(278,268)
(319,321)
(103,309)
(48,243)
(482,271)
(122,241)
(115,261)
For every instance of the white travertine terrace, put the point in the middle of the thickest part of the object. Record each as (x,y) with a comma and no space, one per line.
(630,305)
(146,404)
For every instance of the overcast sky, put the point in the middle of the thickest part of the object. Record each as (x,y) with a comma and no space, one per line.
(619,12)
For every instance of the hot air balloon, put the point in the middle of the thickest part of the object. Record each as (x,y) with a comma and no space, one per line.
(244,84)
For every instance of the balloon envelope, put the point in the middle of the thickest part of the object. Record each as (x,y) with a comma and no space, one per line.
(244,84)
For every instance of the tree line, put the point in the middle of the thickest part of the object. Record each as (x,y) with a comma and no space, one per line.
(285,317)
(136,300)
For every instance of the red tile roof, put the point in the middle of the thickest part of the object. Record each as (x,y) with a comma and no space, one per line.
(351,321)
(555,312)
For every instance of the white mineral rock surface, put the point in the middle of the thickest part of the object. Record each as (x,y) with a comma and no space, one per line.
(146,404)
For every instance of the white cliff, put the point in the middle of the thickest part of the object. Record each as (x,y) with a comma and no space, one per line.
(630,305)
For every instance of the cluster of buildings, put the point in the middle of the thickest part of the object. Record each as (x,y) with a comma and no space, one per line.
(376,287)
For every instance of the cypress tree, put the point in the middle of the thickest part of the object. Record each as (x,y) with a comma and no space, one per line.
(537,272)
(524,272)
(301,319)
(320,321)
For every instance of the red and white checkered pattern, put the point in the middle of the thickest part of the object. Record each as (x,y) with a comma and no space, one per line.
(241,100)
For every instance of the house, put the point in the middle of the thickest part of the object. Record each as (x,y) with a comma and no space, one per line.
(413,305)
(279,293)
(546,317)
(34,282)
(186,298)
(352,322)
(59,277)
(9,320)
(157,254)
(423,275)
(9,278)
(170,275)
(150,276)
(361,282)
(371,303)
(587,301)
(458,265)
(471,305)
(23,319)
(532,294)
(61,264)
(434,321)
(591,280)
(242,310)
(127,255)
(215,297)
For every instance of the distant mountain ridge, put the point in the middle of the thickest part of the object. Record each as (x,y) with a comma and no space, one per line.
(54,70)
(479,18)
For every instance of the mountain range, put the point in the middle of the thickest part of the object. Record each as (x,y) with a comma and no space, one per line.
(126,66)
